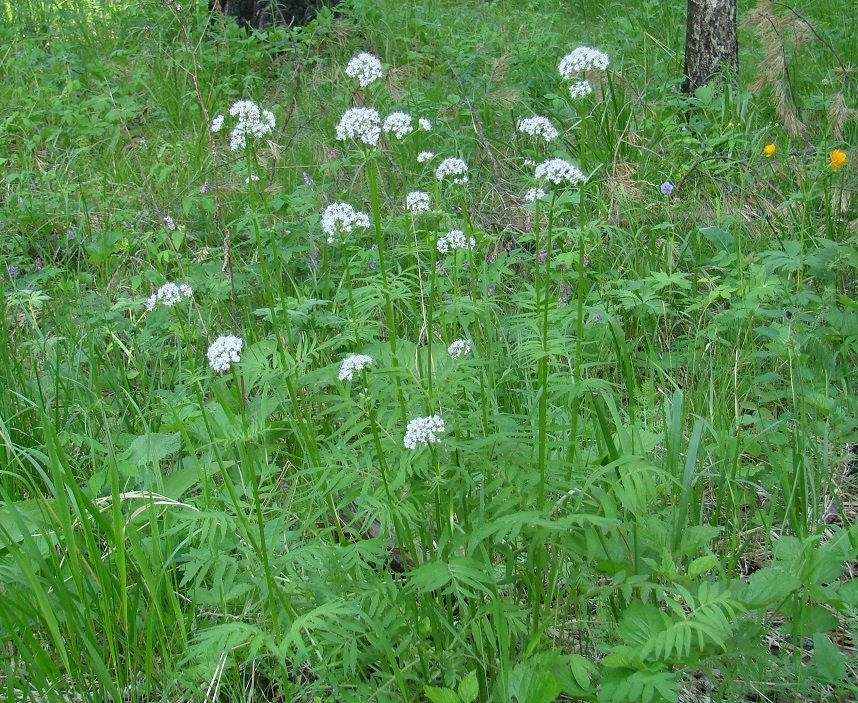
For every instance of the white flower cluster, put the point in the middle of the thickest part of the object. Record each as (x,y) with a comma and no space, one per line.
(355,362)
(582,59)
(538,126)
(365,67)
(534,194)
(169,294)
(342,217)
(424,124)
(224,351)
(361,124)
(559,172)
(399,123)
(579,89)
(251,120)
(423,430)
(424,156)
(417,201)
(455,239)
(459,348)
(452,167)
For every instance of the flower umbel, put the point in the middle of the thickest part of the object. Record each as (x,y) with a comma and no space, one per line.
(423,431)
(454,167)
(169,294)
(365,67)
(455,239)
(534,194)
(417,202)
(425,156)
(584,58)
(579,89)
(538,126)
(340,218)
(225,351)
(399,123)
(459,348)
(837,159)
(252,120)
(355,362)
(361,124)
(559,172)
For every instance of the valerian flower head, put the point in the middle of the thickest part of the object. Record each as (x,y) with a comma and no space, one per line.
(355,362)
(225,351)
(534,194)
(424,124)
(399,123)
(252,120)
(424,156)
(423,431)
(417,201)
(361,124)
(340,218)
(454,167)
(217,123)
(538,126)
(459,348)
(579,89)
(365,67)
(559,172)
(455,239)
(582,59)
(169,295)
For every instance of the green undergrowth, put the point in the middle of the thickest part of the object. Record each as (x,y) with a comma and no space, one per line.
(601,446)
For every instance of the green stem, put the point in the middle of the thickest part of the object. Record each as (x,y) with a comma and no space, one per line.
(543,359)
(372,178)
(579,328)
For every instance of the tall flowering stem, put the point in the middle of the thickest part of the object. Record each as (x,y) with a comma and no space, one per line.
(482,313)
(404,538)
(543,360)
(375,200)
(579,325)
(305,427)
(351,299)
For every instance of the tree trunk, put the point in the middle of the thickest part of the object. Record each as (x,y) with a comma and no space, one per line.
(259,14)
(711,46)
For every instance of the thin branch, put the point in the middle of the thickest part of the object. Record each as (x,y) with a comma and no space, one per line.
(843,68)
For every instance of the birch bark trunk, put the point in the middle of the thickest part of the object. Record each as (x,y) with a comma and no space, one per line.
(711,44)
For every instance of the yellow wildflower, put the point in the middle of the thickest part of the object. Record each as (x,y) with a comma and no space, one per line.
(769,150)
(838,159)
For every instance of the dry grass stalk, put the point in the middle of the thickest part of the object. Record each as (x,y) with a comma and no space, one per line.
(775,33)
(839,114)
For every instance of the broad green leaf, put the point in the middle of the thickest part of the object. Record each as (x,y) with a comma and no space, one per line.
(152,447)
(770,585)
(469,688)
(440,695)
(829,661)
(701,565)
